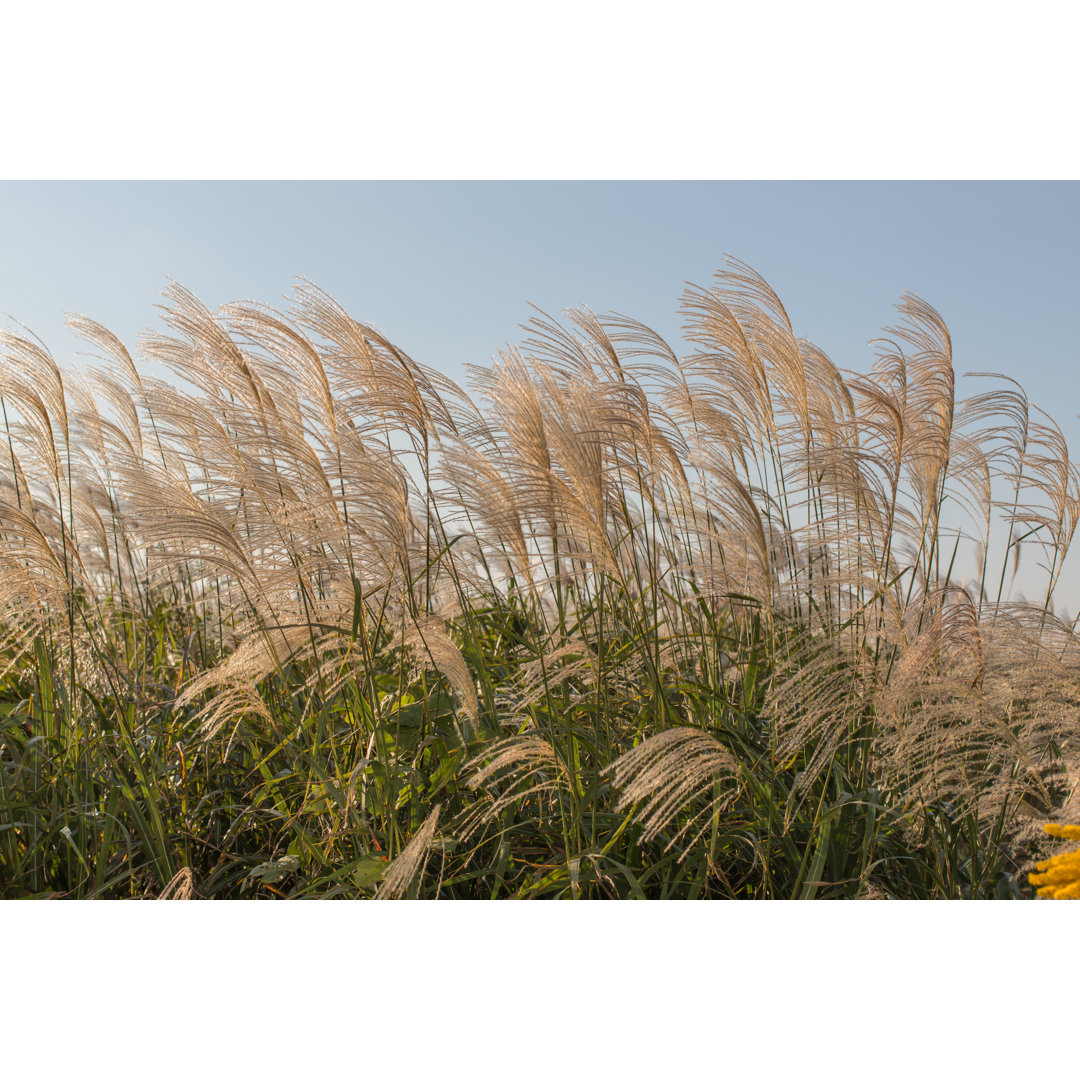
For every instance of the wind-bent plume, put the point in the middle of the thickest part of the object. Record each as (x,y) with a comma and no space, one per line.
(409,866)
(668,774)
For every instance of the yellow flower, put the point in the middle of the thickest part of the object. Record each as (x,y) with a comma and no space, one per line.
(1060,877)
(1068,832)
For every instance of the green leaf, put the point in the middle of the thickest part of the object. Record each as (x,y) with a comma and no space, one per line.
(812,884)
(276,870)
(369,871)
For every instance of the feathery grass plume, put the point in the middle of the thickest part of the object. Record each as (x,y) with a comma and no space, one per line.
(819,702)
(32,388)
(527,459)
(233,702)
(31,381)
(35,580)
(1050,518)
(741,543)
(253,658)
(955,724)
(426,638)
(181,886)
(204,354)
(571,662)
(561,469)
(377,383)
(482,498)
(667,777)
(408,868)
(232,684)
(523,770)
(178,527)
(639,442)
(113,348)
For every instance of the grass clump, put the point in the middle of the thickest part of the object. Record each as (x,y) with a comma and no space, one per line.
(312,621)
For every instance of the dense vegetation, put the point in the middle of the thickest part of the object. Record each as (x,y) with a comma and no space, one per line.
(309,620)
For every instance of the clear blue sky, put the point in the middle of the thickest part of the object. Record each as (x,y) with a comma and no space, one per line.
(447,269)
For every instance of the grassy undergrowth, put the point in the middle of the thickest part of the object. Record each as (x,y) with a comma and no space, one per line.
(621,625)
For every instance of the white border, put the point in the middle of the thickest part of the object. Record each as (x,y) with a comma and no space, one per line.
(567,89)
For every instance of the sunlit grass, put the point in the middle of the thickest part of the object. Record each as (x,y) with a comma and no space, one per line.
(619,624)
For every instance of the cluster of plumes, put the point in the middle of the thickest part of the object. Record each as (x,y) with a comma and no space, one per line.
(318,496)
